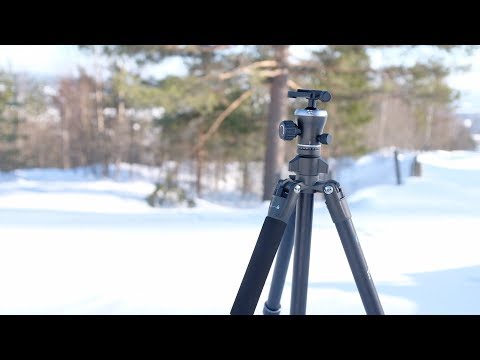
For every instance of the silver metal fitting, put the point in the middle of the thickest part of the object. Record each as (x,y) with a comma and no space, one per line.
(328,189)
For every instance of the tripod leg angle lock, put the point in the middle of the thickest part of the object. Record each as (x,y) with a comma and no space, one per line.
(288,224)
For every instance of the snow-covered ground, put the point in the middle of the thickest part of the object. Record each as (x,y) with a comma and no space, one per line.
(70,244)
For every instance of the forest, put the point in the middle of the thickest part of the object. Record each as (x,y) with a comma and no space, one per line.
(224,109)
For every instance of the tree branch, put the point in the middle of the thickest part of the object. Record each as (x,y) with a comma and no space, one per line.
(218,121)
(293,85)
(248,68)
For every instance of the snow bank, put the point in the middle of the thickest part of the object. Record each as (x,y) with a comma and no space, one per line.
(72,244)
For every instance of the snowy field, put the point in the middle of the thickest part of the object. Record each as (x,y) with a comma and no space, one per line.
(70,244)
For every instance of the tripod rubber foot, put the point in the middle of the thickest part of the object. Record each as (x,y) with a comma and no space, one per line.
(268,311)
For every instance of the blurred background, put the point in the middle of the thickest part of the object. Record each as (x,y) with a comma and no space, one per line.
(132,176)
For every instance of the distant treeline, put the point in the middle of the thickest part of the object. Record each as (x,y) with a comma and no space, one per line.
(225,108)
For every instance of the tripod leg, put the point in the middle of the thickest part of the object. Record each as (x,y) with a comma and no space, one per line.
(282,205)
(301,257)
(272,305)
(340,213)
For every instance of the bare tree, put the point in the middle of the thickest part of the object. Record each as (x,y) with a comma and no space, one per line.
(275,149)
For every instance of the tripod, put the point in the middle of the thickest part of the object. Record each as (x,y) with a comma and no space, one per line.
(289,221)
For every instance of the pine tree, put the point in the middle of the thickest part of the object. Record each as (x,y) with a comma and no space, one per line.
(345,71)
(9,123)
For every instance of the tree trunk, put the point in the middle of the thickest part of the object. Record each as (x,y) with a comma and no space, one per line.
(131,147)
(428,128)
(275,148)
(65,120)
(84,121)
(246,177)
(119,138)
(216,176)
(98,93)
(101,150)
(200,159)
(383,122)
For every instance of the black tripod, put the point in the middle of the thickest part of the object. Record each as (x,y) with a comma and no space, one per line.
(290,217)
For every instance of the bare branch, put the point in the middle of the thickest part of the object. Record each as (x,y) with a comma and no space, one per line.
(272,73)
(248,68)
(218,121)
(292,84)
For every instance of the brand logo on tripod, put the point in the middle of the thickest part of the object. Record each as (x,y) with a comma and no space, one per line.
(276,207)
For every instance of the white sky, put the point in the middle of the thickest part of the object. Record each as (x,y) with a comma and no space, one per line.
(58,60)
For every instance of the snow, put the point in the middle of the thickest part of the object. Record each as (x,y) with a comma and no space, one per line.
(74,244)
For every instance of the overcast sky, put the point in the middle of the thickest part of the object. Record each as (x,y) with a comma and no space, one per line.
(55,60)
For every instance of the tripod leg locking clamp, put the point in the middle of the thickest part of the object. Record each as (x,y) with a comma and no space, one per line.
(284,200)
(336,202)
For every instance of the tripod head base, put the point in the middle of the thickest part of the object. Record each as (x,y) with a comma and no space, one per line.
(308,169)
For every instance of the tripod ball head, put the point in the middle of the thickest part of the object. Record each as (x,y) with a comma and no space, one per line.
(309,125)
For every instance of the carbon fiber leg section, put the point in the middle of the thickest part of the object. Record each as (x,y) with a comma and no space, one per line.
(272,305)
(340,213)
(281,207)
(258,267)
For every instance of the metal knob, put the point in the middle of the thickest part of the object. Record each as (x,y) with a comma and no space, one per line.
(288,130)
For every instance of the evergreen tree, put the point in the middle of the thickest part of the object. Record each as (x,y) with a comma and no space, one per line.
(9,123)
(345,70)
